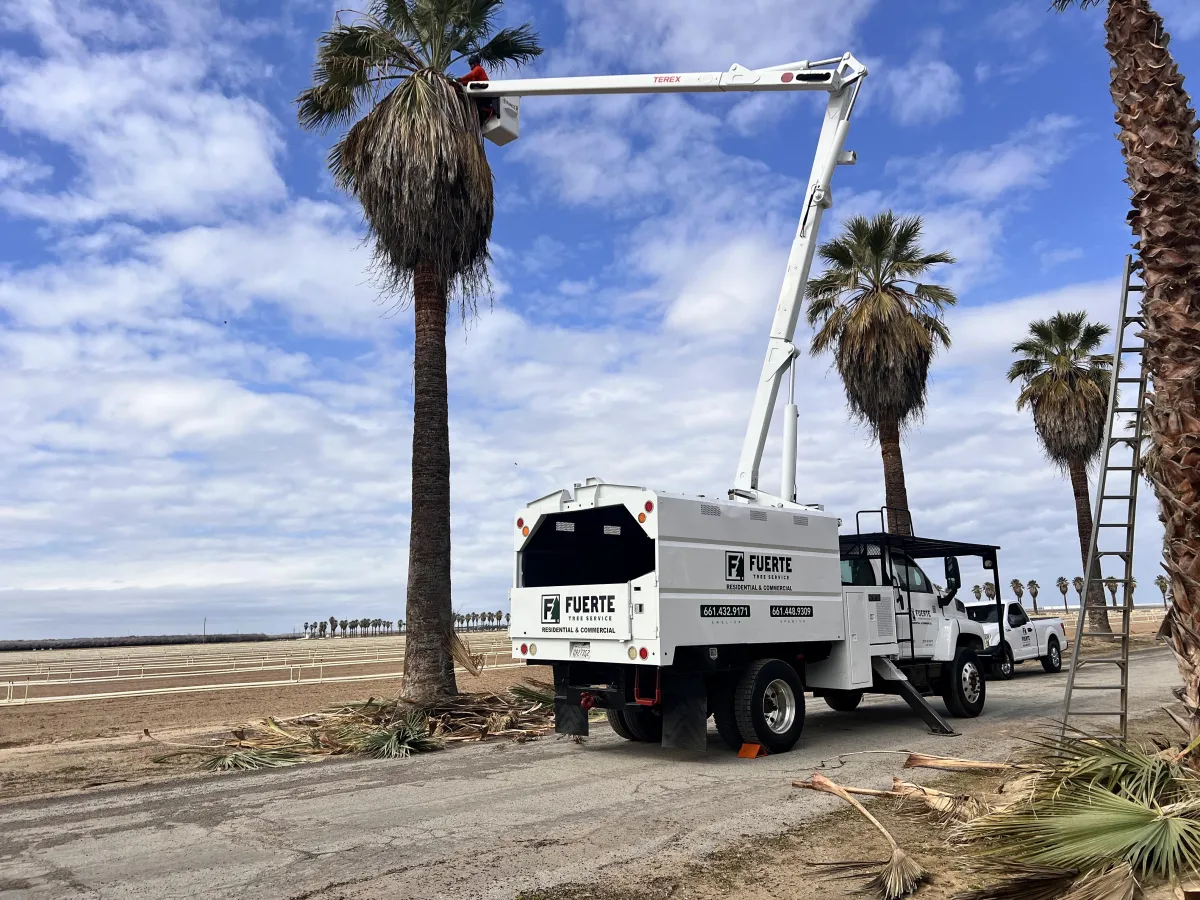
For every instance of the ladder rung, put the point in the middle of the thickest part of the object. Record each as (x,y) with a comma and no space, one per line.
(1135,288)
(1095,712)
(1108,634)
(1132,349)
(1115,525)
(1129,381)
(1117,497)
(1127,409)
(1098,687)
(1116,660)
(1100,553)
(1120,468)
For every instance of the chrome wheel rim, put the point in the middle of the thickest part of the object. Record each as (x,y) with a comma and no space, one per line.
(1006,664)
(779,706)
(972,684)
(1054,655)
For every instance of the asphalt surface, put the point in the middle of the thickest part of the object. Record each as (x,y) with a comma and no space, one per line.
(486,821)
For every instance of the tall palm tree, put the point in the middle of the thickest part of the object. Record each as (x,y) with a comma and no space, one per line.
(977,591)
(412,155)
(1077,583)
(342,624)
(1034,588)
(1163,585)
(507,618)
(1065,382)
(1157,134)
(306,629)
(1018,590)
(1063,586)
(333,625)
(989,590)
(1111,583)
(883,326)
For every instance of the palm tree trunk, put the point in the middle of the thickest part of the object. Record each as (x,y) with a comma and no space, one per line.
(428,666)
(894,491)
(1097,610)
(1158,141)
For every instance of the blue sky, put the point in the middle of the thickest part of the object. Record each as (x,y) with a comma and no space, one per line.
(208,406)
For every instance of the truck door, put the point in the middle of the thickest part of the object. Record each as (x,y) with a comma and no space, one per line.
(915,588)
(1021,633)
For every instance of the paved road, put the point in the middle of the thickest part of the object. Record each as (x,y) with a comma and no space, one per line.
(481,821)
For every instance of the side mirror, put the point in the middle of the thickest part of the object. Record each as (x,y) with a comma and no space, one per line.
(953,578)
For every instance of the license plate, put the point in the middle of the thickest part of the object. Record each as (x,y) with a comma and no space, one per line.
(581,649)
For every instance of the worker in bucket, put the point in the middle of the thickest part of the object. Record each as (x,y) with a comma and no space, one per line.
(485,105)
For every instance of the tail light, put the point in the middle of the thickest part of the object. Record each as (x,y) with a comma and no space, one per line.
(643,653)
(524,649)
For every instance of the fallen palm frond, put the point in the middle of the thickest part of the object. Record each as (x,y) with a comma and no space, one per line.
(387,729)
(1115,882)
(950,764)
(533,692)
(945,807)
(1021,881)
(893,878)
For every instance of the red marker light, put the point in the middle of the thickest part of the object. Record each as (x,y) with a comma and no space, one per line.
(649,506)
(524,649)
(643,653)
(786,77)
(520,523)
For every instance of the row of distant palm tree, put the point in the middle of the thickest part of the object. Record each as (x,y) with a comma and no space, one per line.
(473,621)
(989,590)
(477,621)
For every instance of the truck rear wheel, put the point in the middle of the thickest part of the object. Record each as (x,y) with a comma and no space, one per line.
(842,701)
(1052,661)
(616,721)
(768,704)
(644,724)
(963,686)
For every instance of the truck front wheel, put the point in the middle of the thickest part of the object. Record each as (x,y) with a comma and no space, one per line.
(963,686)
(1005,667)
(768,704)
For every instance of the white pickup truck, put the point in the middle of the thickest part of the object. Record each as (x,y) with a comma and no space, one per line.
(1024,638)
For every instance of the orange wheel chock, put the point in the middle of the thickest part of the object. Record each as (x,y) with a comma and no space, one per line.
(752,751)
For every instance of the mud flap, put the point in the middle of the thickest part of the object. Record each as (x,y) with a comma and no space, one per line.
(685,710)
(569,716)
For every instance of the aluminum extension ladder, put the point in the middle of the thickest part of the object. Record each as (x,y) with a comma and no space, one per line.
(1122,476)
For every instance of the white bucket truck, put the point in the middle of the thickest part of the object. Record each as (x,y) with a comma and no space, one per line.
(664,609)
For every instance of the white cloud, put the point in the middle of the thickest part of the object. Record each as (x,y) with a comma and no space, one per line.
(923,91)
(983,176)
(703,35)
(1181,18)
(151,136)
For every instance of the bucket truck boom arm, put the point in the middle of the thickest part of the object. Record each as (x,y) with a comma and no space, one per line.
(841,78)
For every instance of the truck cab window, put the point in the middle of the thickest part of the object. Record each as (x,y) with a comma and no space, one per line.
(858,573)
(910,575)
(1016,616)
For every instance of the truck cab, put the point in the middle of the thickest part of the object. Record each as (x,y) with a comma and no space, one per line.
(1043,638)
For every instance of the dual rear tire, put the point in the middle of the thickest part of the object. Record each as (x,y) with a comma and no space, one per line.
(640,724)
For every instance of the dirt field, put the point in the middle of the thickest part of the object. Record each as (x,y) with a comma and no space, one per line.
(71,746)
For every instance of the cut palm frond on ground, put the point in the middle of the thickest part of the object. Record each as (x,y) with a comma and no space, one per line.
(893,878)
(950,764)
(1114,814)
(943,806)
(385,729)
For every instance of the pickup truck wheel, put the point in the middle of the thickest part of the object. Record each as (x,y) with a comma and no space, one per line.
(1052,661)
(644,724)
(843,701)
(963,685)
(616,721)
(1005,667)
(768,703)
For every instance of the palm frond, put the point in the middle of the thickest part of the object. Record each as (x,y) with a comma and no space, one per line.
(511,47)
(1022,882)
(395,740)
(533,692)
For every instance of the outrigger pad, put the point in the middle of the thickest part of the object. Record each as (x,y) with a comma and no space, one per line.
(685,711)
